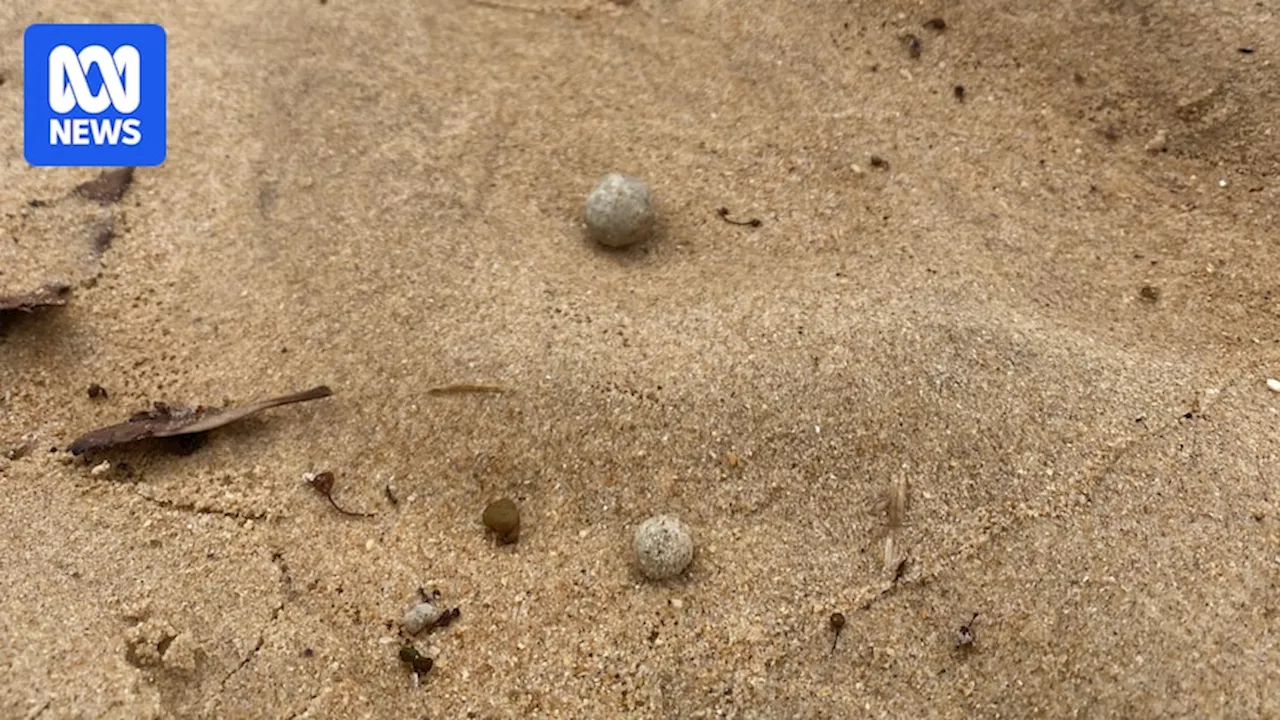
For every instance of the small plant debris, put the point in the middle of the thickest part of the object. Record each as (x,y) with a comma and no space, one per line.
(448,616)
(48,295)
(323,484)
(964,635)
(914,45)
(97,391)
(165,421)
(419,663)
(935,24)
(108,187)
(420,617)
(466,388)
(427,614)
(445,617)
(895,559)
(19,451)
(836,623)
(724,215)
(897,502)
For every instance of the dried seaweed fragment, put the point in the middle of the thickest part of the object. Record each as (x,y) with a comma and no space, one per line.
(45,296)
(323,484)
(170,421)
(466,388)
(108,187)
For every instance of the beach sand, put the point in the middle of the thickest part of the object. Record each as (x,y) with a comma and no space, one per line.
(1049,308)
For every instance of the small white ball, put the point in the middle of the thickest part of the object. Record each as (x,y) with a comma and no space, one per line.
(663,547)
(420,617)
(620,211)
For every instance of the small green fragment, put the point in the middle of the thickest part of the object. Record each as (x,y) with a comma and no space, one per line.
(420,663)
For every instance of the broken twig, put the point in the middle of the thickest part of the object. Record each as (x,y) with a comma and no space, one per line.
(46,295)
(465,388)
(323,483)
(170,421)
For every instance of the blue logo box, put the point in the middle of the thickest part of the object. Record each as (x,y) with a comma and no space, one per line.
(94,95)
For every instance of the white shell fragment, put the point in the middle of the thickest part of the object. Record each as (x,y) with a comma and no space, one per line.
(420,617)
(1273,384)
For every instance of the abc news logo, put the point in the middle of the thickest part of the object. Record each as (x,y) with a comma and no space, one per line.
(121,89)
(95,95)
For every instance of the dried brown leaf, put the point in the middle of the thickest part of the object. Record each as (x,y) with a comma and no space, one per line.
(44,296)
(170,421)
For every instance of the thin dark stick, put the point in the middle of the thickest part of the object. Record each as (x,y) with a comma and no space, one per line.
(724,215)
(463,388)
(323,483)
(229,416)
(164,421)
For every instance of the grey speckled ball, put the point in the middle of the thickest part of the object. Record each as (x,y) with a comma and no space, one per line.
(663,547)
(620,211)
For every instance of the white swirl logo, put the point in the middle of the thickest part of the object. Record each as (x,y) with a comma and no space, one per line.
(69,86)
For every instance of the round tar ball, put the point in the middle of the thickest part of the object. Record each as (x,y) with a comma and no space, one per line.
(620,211)
(663,547)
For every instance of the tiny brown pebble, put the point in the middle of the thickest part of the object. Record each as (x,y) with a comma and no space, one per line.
(936,24)
(879,162)
(1149,293)
(959,91)
(97,391)
(503,518)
